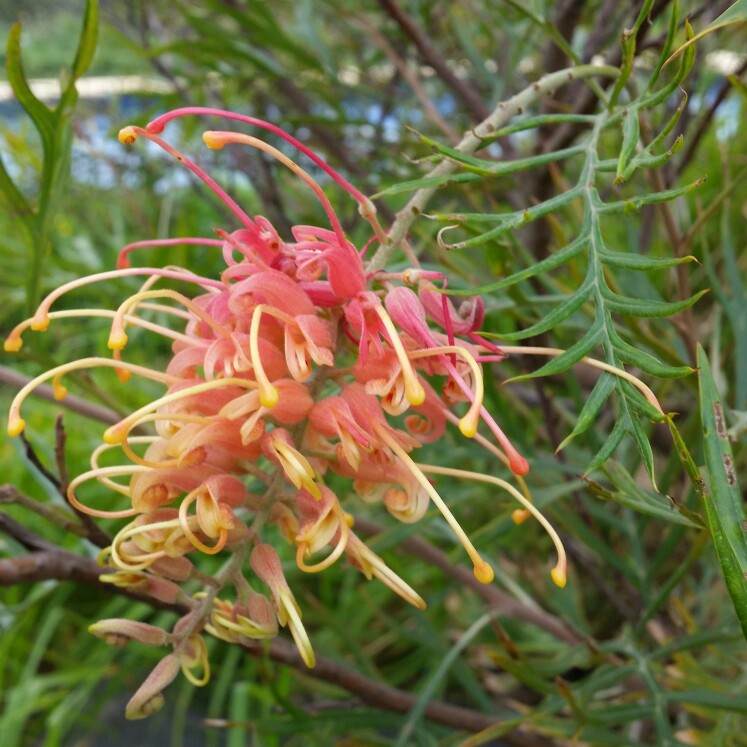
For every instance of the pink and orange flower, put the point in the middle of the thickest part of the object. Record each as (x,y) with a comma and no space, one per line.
(294,364)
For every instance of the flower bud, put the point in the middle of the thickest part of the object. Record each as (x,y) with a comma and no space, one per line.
(149,699)
(118,632)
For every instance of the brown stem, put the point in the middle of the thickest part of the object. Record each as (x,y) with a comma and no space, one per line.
(410,78)
(33,457)
(47,562)
(93,532)
(30,540)
(53,514)
(463,90)
(695,139)
(494,597)
(71,402)
(390,698)
(471,142)
(683,322)
(60,439)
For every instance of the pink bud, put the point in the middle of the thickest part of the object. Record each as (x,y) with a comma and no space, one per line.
(118,632)
(407,312)
(149,699)
(441,309)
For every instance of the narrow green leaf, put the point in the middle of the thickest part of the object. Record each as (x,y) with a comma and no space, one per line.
(570,357)
(515,218)
(558,314)
(635,203)
(508,221)
(647,307)
(16,202)
(644,448)
(88,39)
(631,133)
(40,114)
(635,400)
(426,182)
(549,263)
(666,49)
(626,68)
(647,362)
(485,167)
(686,459)
(588,415)
(542,120)
(726,699)
(688,58)
(641,262)
(608,447)
(723,507)
(629,493)
(735,13)
(429,688)
(668,127)
(645,160)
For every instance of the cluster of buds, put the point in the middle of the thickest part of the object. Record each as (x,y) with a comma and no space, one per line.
(293,370)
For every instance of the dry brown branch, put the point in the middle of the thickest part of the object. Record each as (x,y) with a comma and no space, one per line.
(47,562)
(474,102)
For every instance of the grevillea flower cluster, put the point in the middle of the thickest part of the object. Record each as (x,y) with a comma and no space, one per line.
(292,366)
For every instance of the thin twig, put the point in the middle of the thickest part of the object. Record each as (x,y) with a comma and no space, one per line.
(461,88)
(49,562)
(33,457)
(695,139)
(30,540)
(390,698)
(410,78)
(60,439)
(471,142)
(93,532)
(683,322)
(53,514)
(71,402)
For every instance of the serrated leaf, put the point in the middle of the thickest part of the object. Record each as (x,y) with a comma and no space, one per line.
(723,503)
(647,307)
(588,415)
